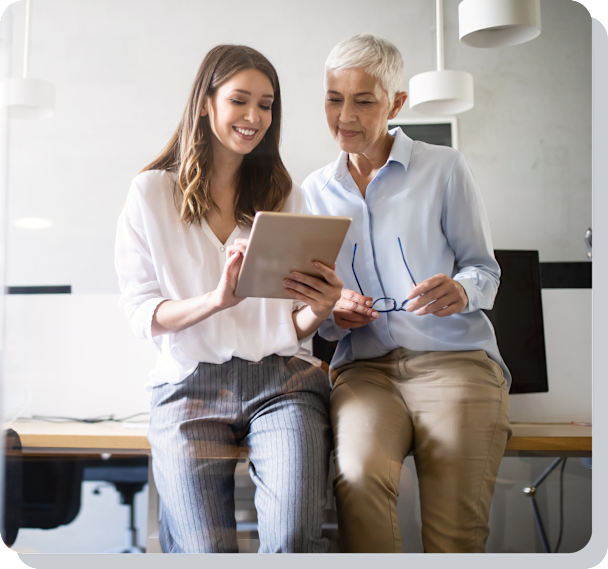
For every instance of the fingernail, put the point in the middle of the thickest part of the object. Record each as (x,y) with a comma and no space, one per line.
(375,314)
(288,283)
(294,275)
(316,265)
(369,303)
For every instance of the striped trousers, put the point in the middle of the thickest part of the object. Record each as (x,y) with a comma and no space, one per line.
(278,409)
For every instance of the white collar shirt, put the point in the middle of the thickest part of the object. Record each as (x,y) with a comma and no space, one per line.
(159,258)
(425,195)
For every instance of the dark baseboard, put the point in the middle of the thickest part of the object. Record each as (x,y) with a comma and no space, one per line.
(61,289)
(565,275)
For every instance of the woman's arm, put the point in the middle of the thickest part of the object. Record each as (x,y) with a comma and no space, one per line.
(176,315)
(465,225)
(319,295)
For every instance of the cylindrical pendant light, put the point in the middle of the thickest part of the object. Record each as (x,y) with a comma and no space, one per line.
(27,98)
(498,23)
(441,92)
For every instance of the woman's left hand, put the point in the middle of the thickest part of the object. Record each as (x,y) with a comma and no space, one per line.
(440,295)
(320,295)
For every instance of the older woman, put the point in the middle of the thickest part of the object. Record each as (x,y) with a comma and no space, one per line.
(417,367)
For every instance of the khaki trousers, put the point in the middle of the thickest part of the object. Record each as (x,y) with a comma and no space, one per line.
(451,409)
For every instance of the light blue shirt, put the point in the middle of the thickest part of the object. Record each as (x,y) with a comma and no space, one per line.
(425,195)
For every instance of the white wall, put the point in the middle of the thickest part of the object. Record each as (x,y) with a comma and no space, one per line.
(567,322)
(74,356)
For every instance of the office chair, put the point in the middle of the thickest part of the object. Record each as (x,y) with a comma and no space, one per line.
(13,487)
(40,492)
(129,476)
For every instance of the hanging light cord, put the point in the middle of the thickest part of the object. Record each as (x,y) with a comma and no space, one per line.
(439,34)
(26,48)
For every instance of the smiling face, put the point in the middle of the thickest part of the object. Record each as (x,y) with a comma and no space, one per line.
(240,111)
(358,108)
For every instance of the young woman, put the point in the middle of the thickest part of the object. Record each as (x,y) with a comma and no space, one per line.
(231,371)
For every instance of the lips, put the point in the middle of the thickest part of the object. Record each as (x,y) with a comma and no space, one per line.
(245,133)
(348,133)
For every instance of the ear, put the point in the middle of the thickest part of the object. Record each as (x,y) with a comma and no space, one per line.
(398,103)
(205,109)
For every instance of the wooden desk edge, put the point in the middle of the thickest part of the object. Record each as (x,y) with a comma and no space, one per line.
(89,443)
(137,442)
(578,444)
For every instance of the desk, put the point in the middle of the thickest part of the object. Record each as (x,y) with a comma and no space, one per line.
(549,439)
(70,439)
(39,437)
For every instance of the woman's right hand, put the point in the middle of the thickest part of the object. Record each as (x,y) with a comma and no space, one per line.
(354,310)
(223,296)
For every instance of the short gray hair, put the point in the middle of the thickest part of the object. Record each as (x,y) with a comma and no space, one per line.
(378,56)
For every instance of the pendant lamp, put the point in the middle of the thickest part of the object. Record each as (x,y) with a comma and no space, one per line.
(498,23)
(26,97)
(441,92)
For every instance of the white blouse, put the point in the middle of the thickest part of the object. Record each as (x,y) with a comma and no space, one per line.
(160,258)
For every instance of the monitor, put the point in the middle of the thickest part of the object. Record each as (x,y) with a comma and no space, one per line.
(517,317)
(441,131)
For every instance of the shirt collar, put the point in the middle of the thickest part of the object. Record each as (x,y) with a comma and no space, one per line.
(402,148)
(401,152)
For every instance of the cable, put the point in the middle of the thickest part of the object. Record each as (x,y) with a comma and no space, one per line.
(561,506)
(99,419)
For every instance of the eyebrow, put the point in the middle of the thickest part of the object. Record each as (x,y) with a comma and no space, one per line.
(356,94)
(248,93)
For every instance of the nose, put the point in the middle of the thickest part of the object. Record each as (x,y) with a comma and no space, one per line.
(347,112)
(252,115)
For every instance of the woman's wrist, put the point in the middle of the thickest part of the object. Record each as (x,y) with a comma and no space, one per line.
(213,301)
(306,322)
(176,315)
(321,316)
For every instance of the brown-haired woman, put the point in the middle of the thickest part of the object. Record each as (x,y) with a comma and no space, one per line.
(231,372)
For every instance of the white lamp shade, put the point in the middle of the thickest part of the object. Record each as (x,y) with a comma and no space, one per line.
(498,23)
(28,98)
(446,92)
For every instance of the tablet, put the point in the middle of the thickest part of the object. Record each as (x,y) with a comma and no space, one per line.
(284,242)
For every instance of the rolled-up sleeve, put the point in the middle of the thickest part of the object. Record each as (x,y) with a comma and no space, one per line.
(466,227)
(141,291)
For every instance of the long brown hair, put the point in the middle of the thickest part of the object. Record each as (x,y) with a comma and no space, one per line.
(263,183)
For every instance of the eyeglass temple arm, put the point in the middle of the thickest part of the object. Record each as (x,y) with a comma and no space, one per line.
(354,273)
(403,256)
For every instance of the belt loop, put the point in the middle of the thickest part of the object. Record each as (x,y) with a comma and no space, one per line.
(402,368)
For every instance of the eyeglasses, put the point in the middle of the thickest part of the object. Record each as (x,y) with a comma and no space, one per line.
(386,301)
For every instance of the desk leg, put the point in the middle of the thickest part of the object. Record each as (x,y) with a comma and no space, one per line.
(153,542)
(531,492)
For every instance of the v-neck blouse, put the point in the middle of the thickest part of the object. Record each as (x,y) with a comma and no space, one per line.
(160,258)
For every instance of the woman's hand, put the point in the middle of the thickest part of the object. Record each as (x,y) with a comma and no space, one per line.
(173,316)
(320,295)
(440,295)
(354,310)
(223,296)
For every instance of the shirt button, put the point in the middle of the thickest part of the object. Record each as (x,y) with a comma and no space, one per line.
(222,249)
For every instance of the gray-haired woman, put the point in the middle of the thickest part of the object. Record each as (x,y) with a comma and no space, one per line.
(417,367)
